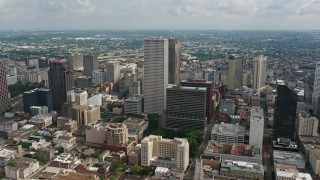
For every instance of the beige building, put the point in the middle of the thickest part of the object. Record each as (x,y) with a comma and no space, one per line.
(289,172)
(82,114)
(259,72)
(77,96)
(170,153)
(24,167)
(308,125)
(115,134)
(235,68)
(314,159)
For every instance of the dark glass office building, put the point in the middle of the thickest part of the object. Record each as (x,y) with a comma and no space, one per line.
(60,81)
(200,84)
(285,111)
(37,97)
(174,62)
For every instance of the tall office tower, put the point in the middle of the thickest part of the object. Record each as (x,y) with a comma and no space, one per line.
(259,72)
(256,127)
(169,153)
(235,67)
(98,76)
(316,91)
(209,75)
(75,61)
(60,81)
(308,125)
(200,84)
(285,111)
(113,72)
(4,93)
(174,61)
(37,97)
(90,63)
(155,74)
(184,112)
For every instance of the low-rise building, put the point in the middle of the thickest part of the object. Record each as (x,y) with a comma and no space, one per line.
(22,169)
(242,170)
(64,141)
(314,159)
(234,152)
(228,133)
(41,120)
(67,124)
(65,160)
(136,127)
(290,172)
(133,105)
(8,126)
(289,158)
(6,155)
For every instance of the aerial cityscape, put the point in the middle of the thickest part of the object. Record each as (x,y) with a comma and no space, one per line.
(158,103)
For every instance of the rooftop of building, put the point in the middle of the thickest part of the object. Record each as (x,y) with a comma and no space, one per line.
(180,141)
(74,176)
(84,77)
(231,149)
(41,116)
(290,171)
(37,89)
(136,98)
(316,152)
(6,152)
(228,129)
(257,114)
(242,166)
(173,86)
(287,155)
(65,158)
(58,60)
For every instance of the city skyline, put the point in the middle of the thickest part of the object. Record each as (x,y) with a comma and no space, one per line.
(168,14)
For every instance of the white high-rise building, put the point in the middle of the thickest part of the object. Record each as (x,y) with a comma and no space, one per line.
(169,153)
(235,68)
(113,71)
(256,127)
(79,97)
(155,74)
(259,71)
(308,125)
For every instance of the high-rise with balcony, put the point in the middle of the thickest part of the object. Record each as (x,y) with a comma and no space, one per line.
(4,93)
(235,68)
(155,74)
(60,81)
(259,71)
(90,63)
(174,61)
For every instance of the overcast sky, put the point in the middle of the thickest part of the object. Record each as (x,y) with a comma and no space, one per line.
(158,14)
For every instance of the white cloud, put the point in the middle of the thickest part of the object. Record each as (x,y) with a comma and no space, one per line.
(164,14)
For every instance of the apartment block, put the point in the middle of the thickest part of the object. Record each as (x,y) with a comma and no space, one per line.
(170,153)
(308,125)
(134,105)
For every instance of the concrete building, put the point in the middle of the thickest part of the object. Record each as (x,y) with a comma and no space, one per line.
(116,134)
(135,88)
(256,127)
(316,89)
(228,133)
(235,72)
(156,59)
(209,75)
(185,112)
(24,167)
(242,170)
(98,76)
(11,80)
(113,71)
(170,153)
(65,161)
(4,93)
(133,105)
(259,72)
(234,152)
(84,82)
(60,81)
(6,155)
(82,114)
(90,63)
(136,127)
(314,160)
(246,78)
(289,172)
(307,125)
(41,120)
(37,97)
(75,61)
(174,62)
(79,97)
(289,158)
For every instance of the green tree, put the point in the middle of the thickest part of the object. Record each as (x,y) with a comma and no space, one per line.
(135,169)
(11,163)
(60,150)
(38,157)
(114,166)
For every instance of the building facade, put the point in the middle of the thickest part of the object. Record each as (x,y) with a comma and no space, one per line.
(308,125)
(37,97)
(155,74)
(259,72)
(90,63)
(235,68)
(228,133)
(174,62)
(60,81)
(113,71)
(256,127)
(134,105)
(185,112)
(4,93)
